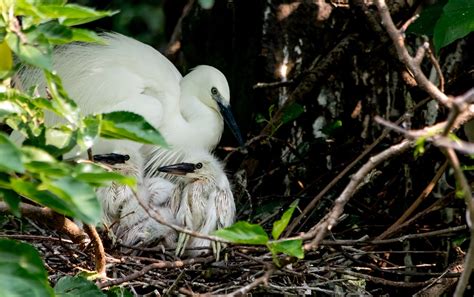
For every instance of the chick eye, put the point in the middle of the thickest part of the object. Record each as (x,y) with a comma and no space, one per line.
(198,165)
(214,91)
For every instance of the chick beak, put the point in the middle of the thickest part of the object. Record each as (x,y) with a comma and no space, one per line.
(178,169)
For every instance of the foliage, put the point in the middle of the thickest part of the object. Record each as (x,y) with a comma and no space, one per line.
(247,233)
(446,21)
(22,272)
(76,286)
(32,170)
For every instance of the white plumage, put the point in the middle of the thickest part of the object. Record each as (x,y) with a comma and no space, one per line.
(202,199)
(126,75)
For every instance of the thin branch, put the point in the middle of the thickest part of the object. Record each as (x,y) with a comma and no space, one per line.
(157,265)
(318,232)
(416,203)
(99,252)
(412,63)
(52,219)
(246,289)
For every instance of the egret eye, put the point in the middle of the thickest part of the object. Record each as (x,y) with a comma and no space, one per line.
(214,91)
(198,165)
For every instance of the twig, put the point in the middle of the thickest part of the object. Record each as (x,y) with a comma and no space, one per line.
(275,84)
(310,207)
(318,232)
(174,44)
(394,240)
(99,252)
(52,219)
(424,194)
(435,63)
(261,280)
(412,63)
(157,265)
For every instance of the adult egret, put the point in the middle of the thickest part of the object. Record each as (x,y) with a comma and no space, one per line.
(202,199)
(127,75)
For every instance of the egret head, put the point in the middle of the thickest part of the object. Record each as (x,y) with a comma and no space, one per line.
(199,166)
(210,86)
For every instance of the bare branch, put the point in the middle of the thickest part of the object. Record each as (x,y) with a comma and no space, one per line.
(52,219)
(412,63)
(318,232)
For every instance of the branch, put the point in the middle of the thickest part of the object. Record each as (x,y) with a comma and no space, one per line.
(318,232)
(412,63)
(99,252)
(157,265)
(51,219)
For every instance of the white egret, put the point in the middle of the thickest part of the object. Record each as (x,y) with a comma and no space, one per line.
(132,226)
(127,75)
(202,199)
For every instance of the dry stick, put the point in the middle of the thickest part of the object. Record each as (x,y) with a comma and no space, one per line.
(157,265)
(318,232)
(174,44)
(99,252)
(378,280)
(52,219)
(415,204)
(413,64)
(457,106)
(310,207)
(461,180)
(394,240)
(261,280)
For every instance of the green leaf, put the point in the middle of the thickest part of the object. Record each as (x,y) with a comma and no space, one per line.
(456,22)
(129,125)
(45,198)
(6,58)
(60,138)
(10,156)
(88,132)
(292,248)
(244,232)
(22,272)
(34,55)
(86,36)
(280,225)
(65,195)
(8,108)
(206,4)
(425,24)
(73,14)
(62,104)
(80,197)
(70,286)
(291,112)
(94,174)
(12,199)
(56,32)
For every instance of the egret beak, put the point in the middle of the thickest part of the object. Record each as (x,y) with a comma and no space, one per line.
(111,158)
(230,121)
(178,169)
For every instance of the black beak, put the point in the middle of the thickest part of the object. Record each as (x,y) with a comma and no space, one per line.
(230,121)
(178,169)
(111,158)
